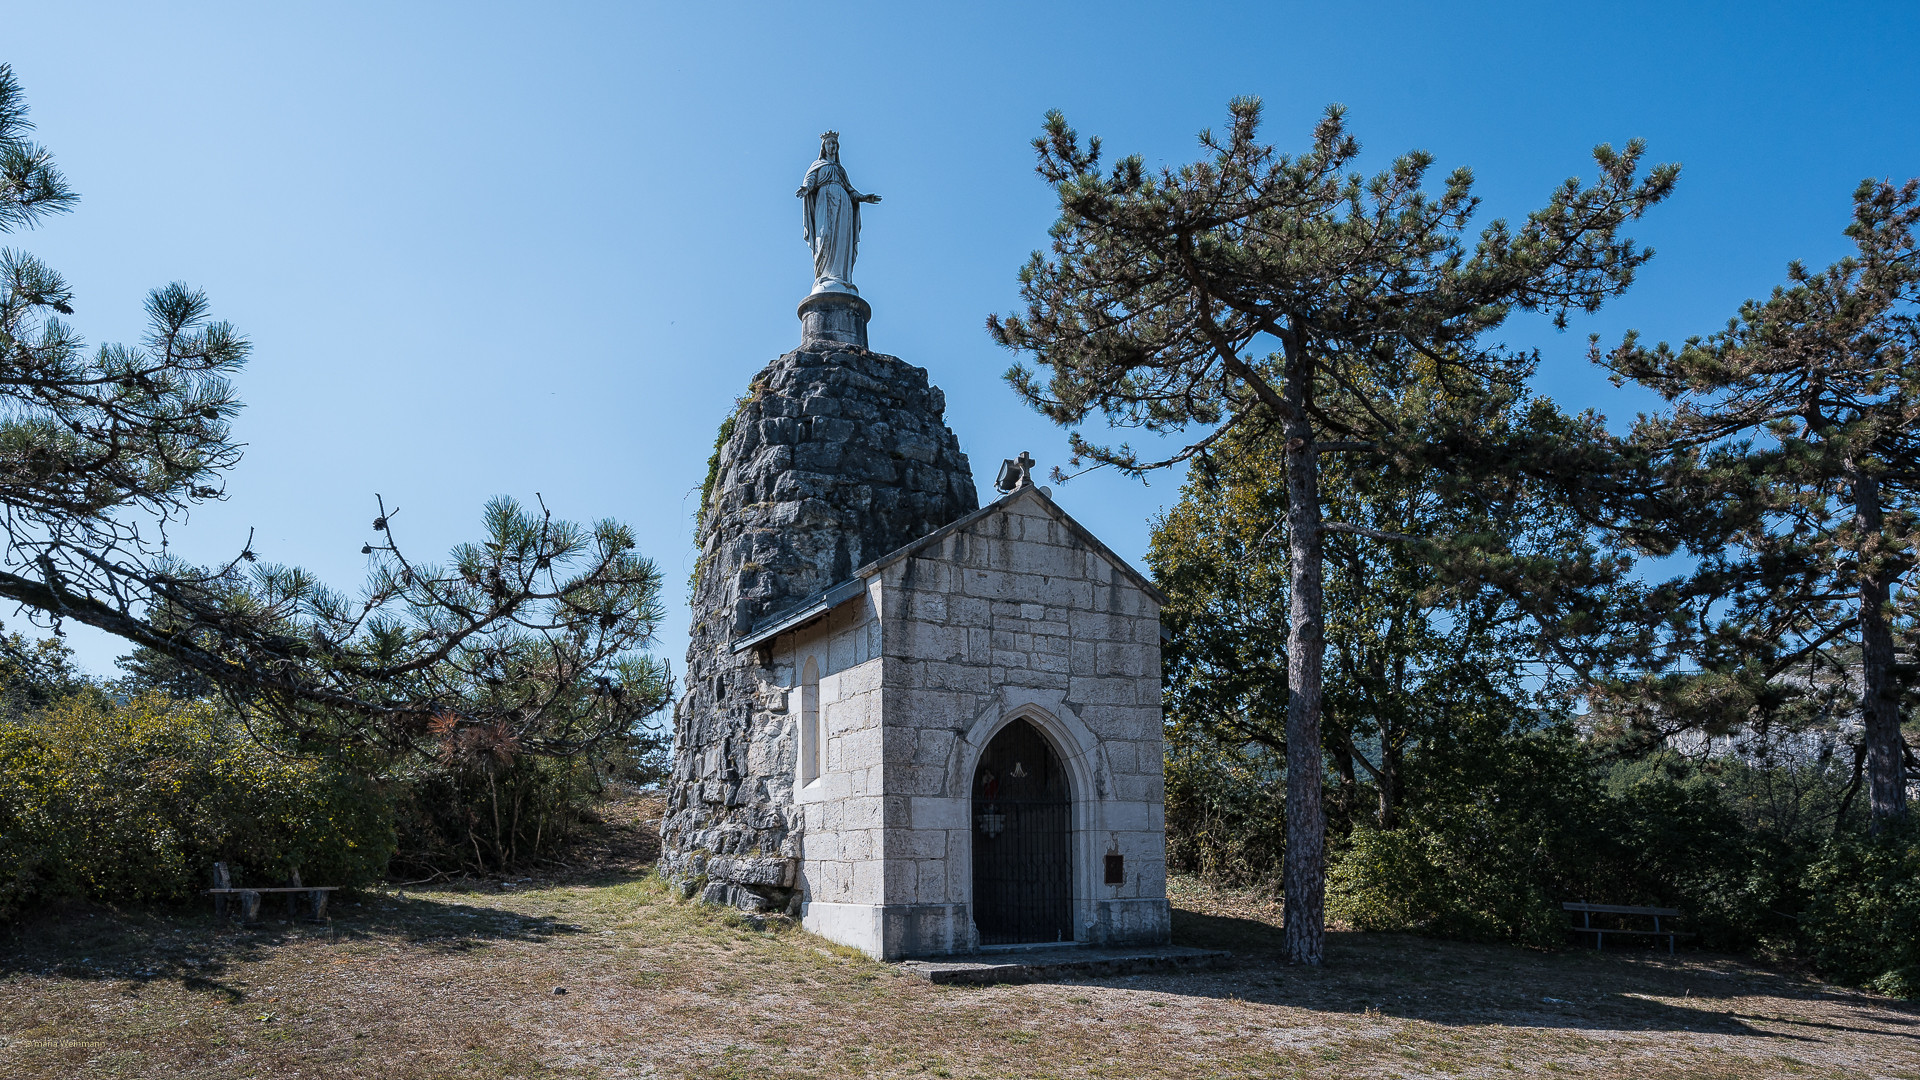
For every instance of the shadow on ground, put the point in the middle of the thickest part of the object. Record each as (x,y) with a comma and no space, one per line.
(141,944)
(187,943)
(1460,984)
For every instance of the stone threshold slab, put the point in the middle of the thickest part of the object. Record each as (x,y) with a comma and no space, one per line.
(1050,964)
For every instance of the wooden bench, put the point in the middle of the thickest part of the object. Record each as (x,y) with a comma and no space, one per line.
(248,900)
(1588,911)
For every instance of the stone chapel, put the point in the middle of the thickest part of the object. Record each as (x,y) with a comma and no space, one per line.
(921,725)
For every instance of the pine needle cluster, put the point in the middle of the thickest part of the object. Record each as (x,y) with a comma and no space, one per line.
(530,640)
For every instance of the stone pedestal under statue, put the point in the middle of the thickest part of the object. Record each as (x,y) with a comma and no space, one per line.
(834,317)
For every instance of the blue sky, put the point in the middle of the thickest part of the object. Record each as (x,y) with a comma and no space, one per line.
(539,248)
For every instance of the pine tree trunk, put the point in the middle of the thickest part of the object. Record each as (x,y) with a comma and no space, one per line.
(1390,743)
(1306,863)
(1343,765)
(1879,701)
(1853,788)
(1389,779)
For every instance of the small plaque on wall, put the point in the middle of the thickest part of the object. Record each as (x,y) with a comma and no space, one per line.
(1116,869)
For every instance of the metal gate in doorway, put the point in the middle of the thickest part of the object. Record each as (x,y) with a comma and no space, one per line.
(1022,859)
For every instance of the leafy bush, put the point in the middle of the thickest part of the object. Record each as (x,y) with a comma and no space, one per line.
(490,816)
(1674,838)
(470,797)
(479,805)
(27,852)
(1863,910)
(1498,832)
(137,801)
(1226,810)
(1487,831)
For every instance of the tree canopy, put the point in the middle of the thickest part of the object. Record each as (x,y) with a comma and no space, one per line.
(1793,443)
(1292,299)
(1411,648)
(530,640)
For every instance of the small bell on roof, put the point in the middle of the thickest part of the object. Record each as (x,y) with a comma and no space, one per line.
(1015,473)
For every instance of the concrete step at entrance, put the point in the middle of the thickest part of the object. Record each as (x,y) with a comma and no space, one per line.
(1053,963)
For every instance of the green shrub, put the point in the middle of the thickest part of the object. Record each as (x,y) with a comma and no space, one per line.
(1488,831)
(1862,919)
(474,802)
(1498,833)
(1673,838)
(137,801)
(489,815)
(1226,810)
(28,859)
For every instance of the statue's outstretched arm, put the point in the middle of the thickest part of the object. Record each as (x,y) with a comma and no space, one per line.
(857,197)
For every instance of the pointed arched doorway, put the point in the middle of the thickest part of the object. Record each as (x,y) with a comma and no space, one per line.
(1022,857)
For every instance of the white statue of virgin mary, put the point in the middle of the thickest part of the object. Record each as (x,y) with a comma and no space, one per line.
(832,218)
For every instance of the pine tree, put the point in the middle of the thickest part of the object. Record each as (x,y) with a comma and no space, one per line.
(1412,645)
(529,639)
(1795,435)
(1163,293)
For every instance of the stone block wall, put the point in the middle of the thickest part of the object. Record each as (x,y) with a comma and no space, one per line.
(838,465)
(841,848)
(835,456)
(1017,616)
(1013,615)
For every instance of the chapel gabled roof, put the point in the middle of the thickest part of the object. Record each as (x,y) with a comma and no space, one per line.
(819,605)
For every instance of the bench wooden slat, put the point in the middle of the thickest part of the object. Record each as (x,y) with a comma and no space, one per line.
(1586,911)
(1642,933)
(1618,909)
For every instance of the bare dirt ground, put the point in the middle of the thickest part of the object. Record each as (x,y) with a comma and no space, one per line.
(459,980)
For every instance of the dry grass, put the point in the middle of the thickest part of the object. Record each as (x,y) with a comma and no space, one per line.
(458,981)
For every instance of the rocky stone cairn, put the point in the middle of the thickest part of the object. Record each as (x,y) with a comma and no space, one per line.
(835,457)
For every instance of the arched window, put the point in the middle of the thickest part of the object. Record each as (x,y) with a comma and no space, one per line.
(811,751)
